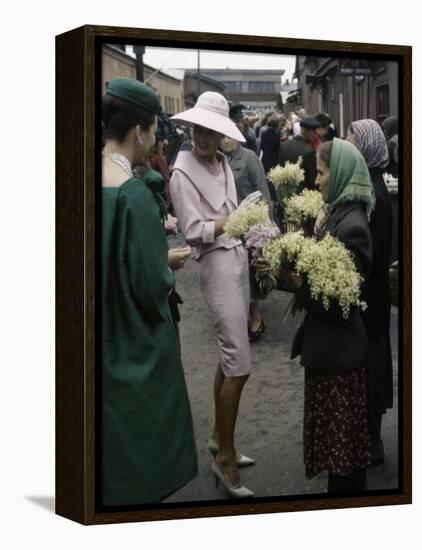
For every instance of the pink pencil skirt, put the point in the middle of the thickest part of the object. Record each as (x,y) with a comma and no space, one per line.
(224,283)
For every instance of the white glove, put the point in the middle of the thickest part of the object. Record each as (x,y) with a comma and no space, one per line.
(251,199)
(170,224)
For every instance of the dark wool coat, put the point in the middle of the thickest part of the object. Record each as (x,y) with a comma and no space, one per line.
(297,147)
(325,339)
(376,292)
(270,147)
(251,141)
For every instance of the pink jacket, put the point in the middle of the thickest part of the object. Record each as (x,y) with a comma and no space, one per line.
(198,202)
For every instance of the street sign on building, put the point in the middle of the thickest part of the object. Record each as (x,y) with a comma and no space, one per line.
(354,67)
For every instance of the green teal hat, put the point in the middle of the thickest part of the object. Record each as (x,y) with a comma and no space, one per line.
(135,92)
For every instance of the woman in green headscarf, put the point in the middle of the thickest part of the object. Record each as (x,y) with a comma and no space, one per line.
(333,349)
(147,445)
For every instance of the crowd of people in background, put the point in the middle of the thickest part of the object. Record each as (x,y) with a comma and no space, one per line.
(211,159)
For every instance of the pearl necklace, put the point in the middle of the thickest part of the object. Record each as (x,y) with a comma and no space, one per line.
(123,162)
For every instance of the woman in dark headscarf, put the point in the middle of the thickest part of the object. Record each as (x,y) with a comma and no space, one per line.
(334,350)
(391,131)
(368,136)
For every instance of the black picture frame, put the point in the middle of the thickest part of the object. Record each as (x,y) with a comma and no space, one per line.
(77,201)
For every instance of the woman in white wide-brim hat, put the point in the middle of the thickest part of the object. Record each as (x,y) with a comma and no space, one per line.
(203,194)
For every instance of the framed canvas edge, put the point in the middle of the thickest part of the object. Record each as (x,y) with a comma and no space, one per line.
(80,506)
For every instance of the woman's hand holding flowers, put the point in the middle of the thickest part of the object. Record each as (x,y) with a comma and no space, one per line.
(292,280)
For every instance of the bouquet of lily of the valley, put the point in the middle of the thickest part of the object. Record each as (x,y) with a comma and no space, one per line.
(326,266)
(262,237)
(286,179)
(301,211)
(331,274)
(278,251)
(241,221)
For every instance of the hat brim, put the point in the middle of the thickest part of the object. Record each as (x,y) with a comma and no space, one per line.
(308,127)
(213,121)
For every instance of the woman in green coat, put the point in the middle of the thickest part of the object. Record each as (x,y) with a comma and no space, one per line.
(148,449)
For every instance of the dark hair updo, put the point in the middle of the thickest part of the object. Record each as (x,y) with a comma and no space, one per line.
(325,151)
(273,121)
(120,116)
(323,119)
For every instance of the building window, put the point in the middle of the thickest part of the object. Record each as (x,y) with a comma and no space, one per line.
(262,87)
(383,103)
(178,105)
(233,86)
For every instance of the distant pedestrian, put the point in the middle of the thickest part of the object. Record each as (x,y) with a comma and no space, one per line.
(369,139)
(236,115)
(326,131)
(187,142)
(270,144)
(300,146)
(261,125)
(249,135)
(300,115)
(283,128)
(391,131)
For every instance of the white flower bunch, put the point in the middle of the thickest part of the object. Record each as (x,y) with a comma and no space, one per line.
(291,246)
(272,254)
(240,222)
(331,273)
(327,265)
(302,208)
(281,251)
(290,175)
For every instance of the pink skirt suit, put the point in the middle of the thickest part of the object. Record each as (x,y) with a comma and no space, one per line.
(200,196)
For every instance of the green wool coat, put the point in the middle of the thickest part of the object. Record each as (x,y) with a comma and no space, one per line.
(147,442)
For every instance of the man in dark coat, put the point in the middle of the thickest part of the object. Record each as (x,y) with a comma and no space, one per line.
(270,145)
(236,115)
(300,146)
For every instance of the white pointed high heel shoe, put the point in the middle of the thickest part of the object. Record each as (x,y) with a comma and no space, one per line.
(242,461)
(234,492)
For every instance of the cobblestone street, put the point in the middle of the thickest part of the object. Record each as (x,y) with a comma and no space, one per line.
(269,425)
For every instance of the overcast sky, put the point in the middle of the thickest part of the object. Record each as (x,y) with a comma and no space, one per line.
(169,58)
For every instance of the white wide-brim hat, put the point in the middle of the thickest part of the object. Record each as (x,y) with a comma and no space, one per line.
(211,111)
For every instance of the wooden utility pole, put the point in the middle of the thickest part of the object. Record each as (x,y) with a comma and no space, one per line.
(198,89)
(139,52)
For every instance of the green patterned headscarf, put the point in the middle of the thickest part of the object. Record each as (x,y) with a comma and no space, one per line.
(349,177)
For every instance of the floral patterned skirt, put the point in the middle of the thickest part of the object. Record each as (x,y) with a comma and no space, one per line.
(335,429)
